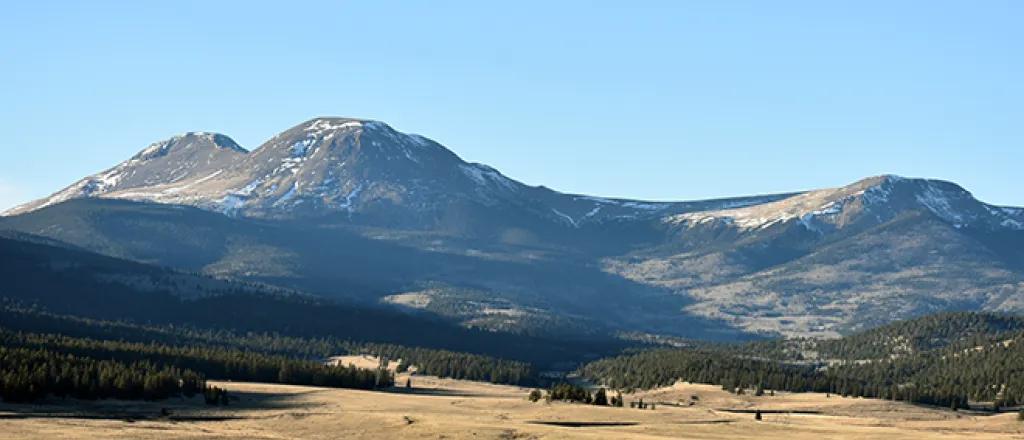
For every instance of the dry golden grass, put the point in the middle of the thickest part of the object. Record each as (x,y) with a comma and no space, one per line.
(447,409)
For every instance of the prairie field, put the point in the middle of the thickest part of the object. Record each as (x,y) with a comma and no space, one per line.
(449,409)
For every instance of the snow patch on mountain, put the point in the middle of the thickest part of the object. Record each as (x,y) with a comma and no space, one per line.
(938,202)
(597,200)
(321,126)
(350,199)
(1012,224)
(485,175)
(418,140)
(645,206)
(565,217)
(738,204)
(288,195)
(1012,218)
(302,147)
(231,203)
(179,189)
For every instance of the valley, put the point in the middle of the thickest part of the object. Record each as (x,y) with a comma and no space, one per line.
(82,332)
(511,221)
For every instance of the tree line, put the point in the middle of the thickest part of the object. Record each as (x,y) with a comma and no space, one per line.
(212,362)
(28,374)
(442,363)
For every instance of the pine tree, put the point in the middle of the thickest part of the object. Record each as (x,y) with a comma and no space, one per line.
(601,397)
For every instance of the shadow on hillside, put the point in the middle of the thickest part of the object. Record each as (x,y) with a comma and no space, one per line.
(343,264)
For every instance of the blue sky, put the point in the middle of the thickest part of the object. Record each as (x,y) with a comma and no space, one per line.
(654,100)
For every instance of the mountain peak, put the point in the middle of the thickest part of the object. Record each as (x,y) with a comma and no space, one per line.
(193,140)
(327,124)
(869,201)
(182,158)
(331,123)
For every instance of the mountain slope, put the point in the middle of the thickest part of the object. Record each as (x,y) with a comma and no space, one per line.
(53,289)
(352,208)
(497,287)
(912,265)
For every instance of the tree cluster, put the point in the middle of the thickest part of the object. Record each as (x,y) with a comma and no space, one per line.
(450,364)
(950,376)
(569,393)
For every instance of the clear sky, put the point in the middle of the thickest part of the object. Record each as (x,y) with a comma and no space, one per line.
(647,99)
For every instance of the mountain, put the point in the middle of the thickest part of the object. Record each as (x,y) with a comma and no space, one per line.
(168,167)
(348,170)
(841,260)
(351,208)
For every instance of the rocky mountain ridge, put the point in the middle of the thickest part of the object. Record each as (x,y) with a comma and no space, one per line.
(331,166)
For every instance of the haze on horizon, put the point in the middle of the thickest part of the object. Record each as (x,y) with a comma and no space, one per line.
(663,101)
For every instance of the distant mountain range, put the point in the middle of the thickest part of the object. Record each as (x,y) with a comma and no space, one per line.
(355,209)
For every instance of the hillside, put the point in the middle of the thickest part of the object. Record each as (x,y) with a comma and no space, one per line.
(54,290)
(543,291)
(948,360)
